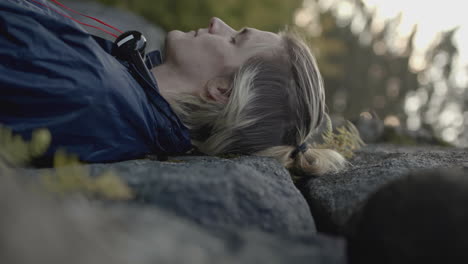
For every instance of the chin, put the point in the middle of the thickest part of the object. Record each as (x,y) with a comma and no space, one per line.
(174,38)
(176,34)
(172,32)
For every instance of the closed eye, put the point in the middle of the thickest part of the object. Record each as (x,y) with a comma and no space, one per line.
(244,31)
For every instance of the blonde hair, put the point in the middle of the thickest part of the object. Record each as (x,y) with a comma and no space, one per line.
(275,104)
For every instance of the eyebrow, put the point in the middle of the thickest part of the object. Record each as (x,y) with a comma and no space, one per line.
(245,32)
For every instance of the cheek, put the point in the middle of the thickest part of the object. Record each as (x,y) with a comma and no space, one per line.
(204,54)
(212,54)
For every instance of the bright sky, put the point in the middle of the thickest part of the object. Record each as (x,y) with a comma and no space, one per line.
(432,16)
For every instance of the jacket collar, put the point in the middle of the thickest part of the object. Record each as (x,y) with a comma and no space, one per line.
(176,130)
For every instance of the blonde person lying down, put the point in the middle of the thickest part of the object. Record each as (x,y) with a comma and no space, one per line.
(218,89)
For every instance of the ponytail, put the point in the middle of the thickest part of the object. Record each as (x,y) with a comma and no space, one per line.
(310,162)
(318,161)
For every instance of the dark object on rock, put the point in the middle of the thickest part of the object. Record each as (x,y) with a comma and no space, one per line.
(418,219)
(371,129)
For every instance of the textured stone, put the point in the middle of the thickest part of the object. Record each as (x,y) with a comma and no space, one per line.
(247,192)
(35,228)
(334,198)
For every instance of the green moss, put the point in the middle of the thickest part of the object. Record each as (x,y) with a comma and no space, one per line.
(15,151)
(346,140)
(69,175)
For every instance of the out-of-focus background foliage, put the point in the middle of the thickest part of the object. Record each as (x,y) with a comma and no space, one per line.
(187,15)
(373,64)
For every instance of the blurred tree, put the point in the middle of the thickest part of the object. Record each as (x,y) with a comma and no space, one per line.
(367,69)
(187,15)
(361,73)
(442,98)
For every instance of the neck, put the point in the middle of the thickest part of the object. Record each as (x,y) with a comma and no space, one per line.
(171,82)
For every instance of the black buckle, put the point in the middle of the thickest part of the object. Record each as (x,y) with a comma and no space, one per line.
(130,47)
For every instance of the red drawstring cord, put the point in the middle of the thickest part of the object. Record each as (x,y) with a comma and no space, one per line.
(95,19)
(88,25)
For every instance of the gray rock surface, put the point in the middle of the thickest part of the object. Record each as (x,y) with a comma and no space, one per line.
(166,228)
(119,18)
(246,192)
(334,198)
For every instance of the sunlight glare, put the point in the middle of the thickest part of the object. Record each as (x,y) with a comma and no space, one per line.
(430,16)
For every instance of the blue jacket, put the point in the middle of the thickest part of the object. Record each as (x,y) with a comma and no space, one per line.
(54,75)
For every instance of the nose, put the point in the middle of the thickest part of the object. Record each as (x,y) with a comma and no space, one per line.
(218,26)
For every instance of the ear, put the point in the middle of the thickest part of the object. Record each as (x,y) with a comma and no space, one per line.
(217,88)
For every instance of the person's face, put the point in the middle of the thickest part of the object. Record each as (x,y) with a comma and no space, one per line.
(215,51)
